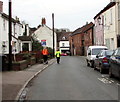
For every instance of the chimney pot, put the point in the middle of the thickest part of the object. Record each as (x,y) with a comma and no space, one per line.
(43,21)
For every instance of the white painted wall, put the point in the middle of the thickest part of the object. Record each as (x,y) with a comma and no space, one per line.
(64,45)
(0,34)
(118,17)
(110,26)
(45,33)
(16,31)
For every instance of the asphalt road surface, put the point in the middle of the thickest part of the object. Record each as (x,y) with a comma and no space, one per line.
(72,80)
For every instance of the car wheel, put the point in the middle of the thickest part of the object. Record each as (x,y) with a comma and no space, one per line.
(95,67)
(101,70)
(92,64)
(88,63)
(110,73)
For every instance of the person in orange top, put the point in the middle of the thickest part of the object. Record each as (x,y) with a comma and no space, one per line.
(45,55)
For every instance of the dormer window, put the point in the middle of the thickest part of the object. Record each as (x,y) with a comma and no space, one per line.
(64,38)
(63,44)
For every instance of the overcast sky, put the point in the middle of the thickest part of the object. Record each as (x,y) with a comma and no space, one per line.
(70,14)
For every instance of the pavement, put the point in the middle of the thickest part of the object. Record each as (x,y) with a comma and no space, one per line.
(14,82)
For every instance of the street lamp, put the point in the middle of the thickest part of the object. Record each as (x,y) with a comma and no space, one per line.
(10,36)
(99,20)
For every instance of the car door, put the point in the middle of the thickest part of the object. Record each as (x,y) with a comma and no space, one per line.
(117,57)
(114,65)
(97,60)
(102,54)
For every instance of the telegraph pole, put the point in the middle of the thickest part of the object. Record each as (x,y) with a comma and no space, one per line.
(53,33)
(10,36)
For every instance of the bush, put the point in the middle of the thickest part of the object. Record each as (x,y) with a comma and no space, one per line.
(50,50)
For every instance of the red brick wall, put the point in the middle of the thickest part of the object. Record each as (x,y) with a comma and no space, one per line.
(82,41)
(88,36)
(77,43)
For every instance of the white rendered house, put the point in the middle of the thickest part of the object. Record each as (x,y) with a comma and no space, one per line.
(16,31)
(45,35)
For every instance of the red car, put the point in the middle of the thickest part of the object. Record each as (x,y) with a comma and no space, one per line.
(63,54)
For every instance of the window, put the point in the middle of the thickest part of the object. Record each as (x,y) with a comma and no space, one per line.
(105,19)
(97,50)
(107,41)
(4,26)
(14,29)
(90,35)
(111,16)
(63,44)
(64,38)
(119,11)
(117,52)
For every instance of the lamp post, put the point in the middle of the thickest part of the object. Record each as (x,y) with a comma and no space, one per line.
(53,33)
(99,20)
(10,36)
(101,23)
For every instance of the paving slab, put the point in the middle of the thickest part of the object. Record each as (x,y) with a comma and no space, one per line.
(13,81)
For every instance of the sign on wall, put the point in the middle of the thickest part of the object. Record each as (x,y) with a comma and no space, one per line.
(43,42)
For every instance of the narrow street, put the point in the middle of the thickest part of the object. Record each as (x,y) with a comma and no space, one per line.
(72,80)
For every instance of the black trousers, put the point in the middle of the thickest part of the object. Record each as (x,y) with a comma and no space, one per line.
(58,60)
(45,58)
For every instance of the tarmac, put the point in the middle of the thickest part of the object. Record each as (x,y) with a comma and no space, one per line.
(14,82)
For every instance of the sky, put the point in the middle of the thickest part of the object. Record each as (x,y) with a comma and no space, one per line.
(70,14)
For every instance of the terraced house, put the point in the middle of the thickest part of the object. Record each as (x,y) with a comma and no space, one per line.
(16,31)
(107,26)
(81,39)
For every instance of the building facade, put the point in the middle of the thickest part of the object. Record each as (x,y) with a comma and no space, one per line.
(81,39)
(107,26)
(16,31)
(45,35)
(63,41)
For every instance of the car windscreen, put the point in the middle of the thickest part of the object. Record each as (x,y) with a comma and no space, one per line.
(118,53)
(95,51)
(109,53)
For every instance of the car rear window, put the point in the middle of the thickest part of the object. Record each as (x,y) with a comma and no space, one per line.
(97,50)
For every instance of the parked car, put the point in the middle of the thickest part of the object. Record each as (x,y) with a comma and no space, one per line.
(101,61)
(114,69)
(63,54)
(92,52)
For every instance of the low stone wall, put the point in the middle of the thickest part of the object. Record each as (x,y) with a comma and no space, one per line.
(33,61)
(20,65)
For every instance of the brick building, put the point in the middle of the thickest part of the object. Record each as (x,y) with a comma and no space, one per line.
(81,38)
(63,40)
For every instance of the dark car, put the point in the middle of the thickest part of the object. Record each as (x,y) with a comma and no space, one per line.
(102,60)
(115,64)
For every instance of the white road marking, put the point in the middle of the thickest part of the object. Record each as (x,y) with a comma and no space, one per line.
(106,80)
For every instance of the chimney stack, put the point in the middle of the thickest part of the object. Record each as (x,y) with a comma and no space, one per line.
(43,21)
(1,6)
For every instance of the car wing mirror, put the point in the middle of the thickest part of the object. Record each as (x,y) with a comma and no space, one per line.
(97,56)
(89,53)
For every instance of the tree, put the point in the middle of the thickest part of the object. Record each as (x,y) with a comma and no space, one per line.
(36,46)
